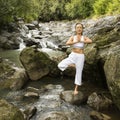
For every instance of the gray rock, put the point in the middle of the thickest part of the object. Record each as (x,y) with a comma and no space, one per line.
(99,116)
(99,101)
(40,62)
(69,97)
(31,94)
(20,79)
(112,72)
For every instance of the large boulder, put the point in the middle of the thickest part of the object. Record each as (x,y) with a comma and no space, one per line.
(99,101)
(112,72)
(68,96)
(19,79)
(105,32)
(11,77)
(9,111)
(39,63)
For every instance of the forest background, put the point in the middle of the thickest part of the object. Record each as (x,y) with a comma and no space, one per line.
(52,10)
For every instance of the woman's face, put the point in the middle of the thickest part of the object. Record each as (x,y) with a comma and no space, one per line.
(79,29)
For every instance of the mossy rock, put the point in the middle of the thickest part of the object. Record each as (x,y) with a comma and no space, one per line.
(9,111)
(112,72)
(6,71)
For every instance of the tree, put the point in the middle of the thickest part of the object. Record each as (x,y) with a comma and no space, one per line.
(113,7)
(52,10)
(29,10)
(100,6)
(79,8)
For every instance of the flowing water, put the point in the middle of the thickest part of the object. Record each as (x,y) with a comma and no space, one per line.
(12,55)
(67,83)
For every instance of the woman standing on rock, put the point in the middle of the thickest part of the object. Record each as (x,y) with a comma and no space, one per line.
(76,57)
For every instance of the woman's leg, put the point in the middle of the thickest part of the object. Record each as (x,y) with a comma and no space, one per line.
(79,68)
(66,62)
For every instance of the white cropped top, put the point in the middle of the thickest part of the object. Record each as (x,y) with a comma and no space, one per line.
(79,44)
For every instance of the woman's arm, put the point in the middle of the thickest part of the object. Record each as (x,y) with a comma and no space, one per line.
(87,40)
(71,42)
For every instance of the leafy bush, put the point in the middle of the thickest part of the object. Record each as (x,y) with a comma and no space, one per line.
(52,10)
(102,7)
(19,8)
(114,7)
(79,8)
(47,10)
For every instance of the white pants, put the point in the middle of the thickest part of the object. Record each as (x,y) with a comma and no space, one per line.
(78,60)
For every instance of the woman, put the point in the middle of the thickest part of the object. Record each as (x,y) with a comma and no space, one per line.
(76,57)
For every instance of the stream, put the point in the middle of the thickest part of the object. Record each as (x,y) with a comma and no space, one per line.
(66,84)
(53,34)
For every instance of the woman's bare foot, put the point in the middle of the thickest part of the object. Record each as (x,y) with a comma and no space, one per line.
(75,92)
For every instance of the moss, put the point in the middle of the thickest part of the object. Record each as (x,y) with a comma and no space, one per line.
(6,71)
(5,68)
(6,84)
(34,57)
(9,112)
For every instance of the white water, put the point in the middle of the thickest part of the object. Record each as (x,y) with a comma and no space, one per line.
(22,45)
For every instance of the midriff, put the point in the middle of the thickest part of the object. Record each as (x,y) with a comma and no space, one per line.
(78,50)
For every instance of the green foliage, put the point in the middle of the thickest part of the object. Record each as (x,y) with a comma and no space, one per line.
(6,10)
(114,7)
(29,10)
(79,8)
(52,10)
(102,7)
(47,10)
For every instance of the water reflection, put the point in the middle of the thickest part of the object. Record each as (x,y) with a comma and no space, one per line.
(12,55)
(68,84)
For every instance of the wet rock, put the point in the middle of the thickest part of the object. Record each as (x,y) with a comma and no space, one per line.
(32,89)
(99,101)
(31,95)
(9,40)
(63,113)
(68,96)
(39,63)
(30,26)
(50,86)
(90,53)
(50,106)
(99,116)
(12,77)
(31,41)
(35,63)
(20,78)
(112,72)
(29,112)
(54,116)
(9,111)
(6,72)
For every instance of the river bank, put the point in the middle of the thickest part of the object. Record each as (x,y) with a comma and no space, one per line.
(96,75)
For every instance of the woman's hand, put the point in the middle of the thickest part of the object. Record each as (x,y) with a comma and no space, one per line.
(71,41)
(87,40)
